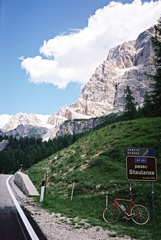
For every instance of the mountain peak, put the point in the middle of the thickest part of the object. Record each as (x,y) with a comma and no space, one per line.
(126,64)
(22,119)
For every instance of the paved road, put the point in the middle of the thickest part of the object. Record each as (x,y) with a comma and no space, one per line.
(11,224)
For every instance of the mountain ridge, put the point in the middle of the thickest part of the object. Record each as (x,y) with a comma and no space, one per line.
(126,64)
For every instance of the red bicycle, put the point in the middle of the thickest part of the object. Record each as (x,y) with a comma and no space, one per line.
(137,212)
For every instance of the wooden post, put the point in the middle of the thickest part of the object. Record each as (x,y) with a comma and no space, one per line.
(106,199)
(72,190)
(46,176)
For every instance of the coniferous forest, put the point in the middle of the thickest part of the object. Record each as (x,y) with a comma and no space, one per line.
(25,152)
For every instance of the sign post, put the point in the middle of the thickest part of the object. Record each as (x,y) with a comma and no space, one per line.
(141,166)
(152,184)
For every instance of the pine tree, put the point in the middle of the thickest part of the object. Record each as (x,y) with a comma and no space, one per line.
(156,85)
(130,106)
(38,156)
(147,109)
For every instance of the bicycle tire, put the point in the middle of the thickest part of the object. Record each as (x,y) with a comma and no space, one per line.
(109,215)
(139,214)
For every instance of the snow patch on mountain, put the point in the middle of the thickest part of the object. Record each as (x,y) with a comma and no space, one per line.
(38,120)
(4,118)
(43,118)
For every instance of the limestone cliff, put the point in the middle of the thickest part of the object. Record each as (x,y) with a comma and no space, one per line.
(126,64)
(77,126)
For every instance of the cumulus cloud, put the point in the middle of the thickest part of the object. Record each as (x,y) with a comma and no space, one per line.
(74,57)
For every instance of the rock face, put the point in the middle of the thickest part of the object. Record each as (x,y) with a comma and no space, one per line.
(126,64)
(26,125)
(24,183)
(56,120)
(77,127)
(24,119)
(27,131)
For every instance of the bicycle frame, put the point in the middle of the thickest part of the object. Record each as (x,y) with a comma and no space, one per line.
(135,212)
(131,204)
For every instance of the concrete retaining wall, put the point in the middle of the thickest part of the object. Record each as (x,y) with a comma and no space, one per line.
(24,183)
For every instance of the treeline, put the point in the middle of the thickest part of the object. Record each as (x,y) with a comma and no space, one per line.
(25,152)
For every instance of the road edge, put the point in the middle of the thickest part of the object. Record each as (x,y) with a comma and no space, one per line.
(22,215)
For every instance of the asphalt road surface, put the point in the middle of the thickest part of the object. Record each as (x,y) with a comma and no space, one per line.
(12,227)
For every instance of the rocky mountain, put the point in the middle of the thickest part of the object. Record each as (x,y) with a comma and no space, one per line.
(126,64)
(57,119)
(27,125)
(27,131)
(77,126)
(24,119)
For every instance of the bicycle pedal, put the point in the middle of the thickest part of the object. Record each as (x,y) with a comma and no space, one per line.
(127,218)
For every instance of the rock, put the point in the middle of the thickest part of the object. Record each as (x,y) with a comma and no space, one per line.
(24,119)
(27,131)
(3,144)
(126,64)
(76,127)
(24,183)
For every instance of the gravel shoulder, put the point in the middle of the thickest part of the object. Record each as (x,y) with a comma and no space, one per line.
(55,227)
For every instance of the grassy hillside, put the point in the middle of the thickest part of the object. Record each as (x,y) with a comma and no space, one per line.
(96,163)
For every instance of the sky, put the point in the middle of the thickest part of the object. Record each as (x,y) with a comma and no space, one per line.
(49,49)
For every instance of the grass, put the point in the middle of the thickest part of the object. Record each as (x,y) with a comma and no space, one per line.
(97,165)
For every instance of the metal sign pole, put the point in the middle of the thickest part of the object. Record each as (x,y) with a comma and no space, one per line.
(130,190)
(152,187)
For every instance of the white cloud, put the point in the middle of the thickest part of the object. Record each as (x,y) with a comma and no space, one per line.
(74,57)
(4,118)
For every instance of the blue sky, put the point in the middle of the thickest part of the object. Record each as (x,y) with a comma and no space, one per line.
(50,48)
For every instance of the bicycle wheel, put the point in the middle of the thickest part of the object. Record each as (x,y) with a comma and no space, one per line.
(139,214)
(111,213)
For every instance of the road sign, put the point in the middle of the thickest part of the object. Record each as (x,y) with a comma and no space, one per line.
(141,168)
(141,152)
